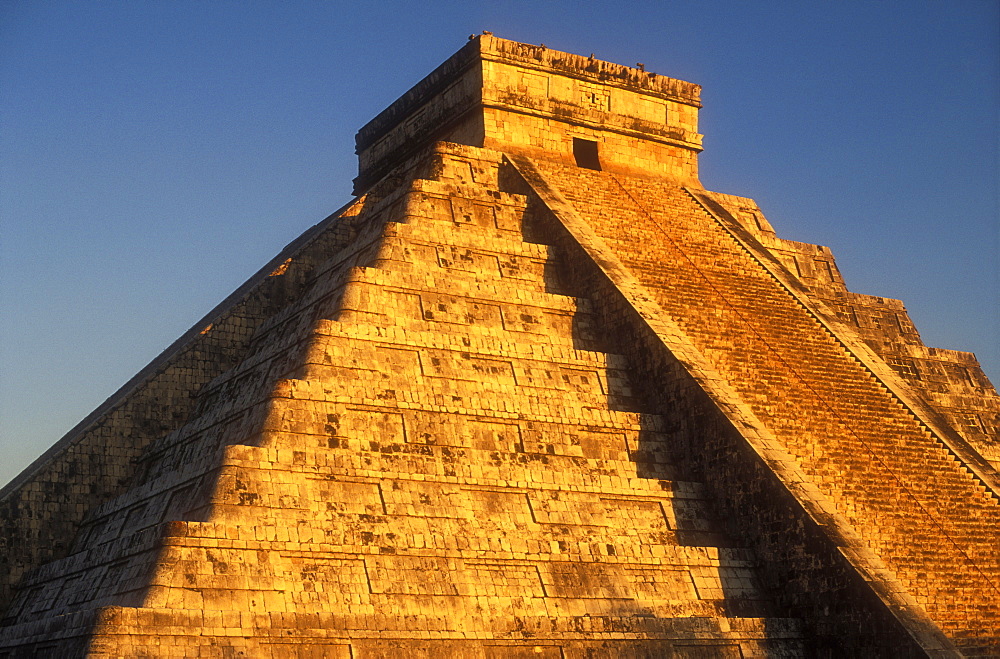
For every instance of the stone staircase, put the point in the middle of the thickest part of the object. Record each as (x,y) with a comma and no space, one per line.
(917,506)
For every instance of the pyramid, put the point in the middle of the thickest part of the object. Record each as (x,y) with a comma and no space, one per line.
(534,392)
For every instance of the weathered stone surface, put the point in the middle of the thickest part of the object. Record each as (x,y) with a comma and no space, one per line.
(534,393)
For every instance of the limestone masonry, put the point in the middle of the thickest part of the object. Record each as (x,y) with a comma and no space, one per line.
(535,392)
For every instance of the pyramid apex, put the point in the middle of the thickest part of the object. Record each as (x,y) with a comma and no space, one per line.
(519,97)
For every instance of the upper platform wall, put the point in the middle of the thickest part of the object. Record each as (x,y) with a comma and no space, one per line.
(529,99)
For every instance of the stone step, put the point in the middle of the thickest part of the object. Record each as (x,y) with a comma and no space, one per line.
(465,285)
(528,407)
(474,192)
(484,341)
(538,387)
(718,568)
(446,464)
(467,264)
(425,231)
(484,636)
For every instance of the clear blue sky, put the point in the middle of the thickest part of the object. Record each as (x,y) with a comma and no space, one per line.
(155,154)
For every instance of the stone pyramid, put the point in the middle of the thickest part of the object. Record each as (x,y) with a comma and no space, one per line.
(535,392)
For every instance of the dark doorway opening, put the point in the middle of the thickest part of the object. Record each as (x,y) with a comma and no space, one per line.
(585,152)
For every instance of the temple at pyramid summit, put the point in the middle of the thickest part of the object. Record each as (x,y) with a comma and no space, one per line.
(533,392)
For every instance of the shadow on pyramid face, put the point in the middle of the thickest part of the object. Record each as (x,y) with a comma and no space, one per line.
(657,450)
